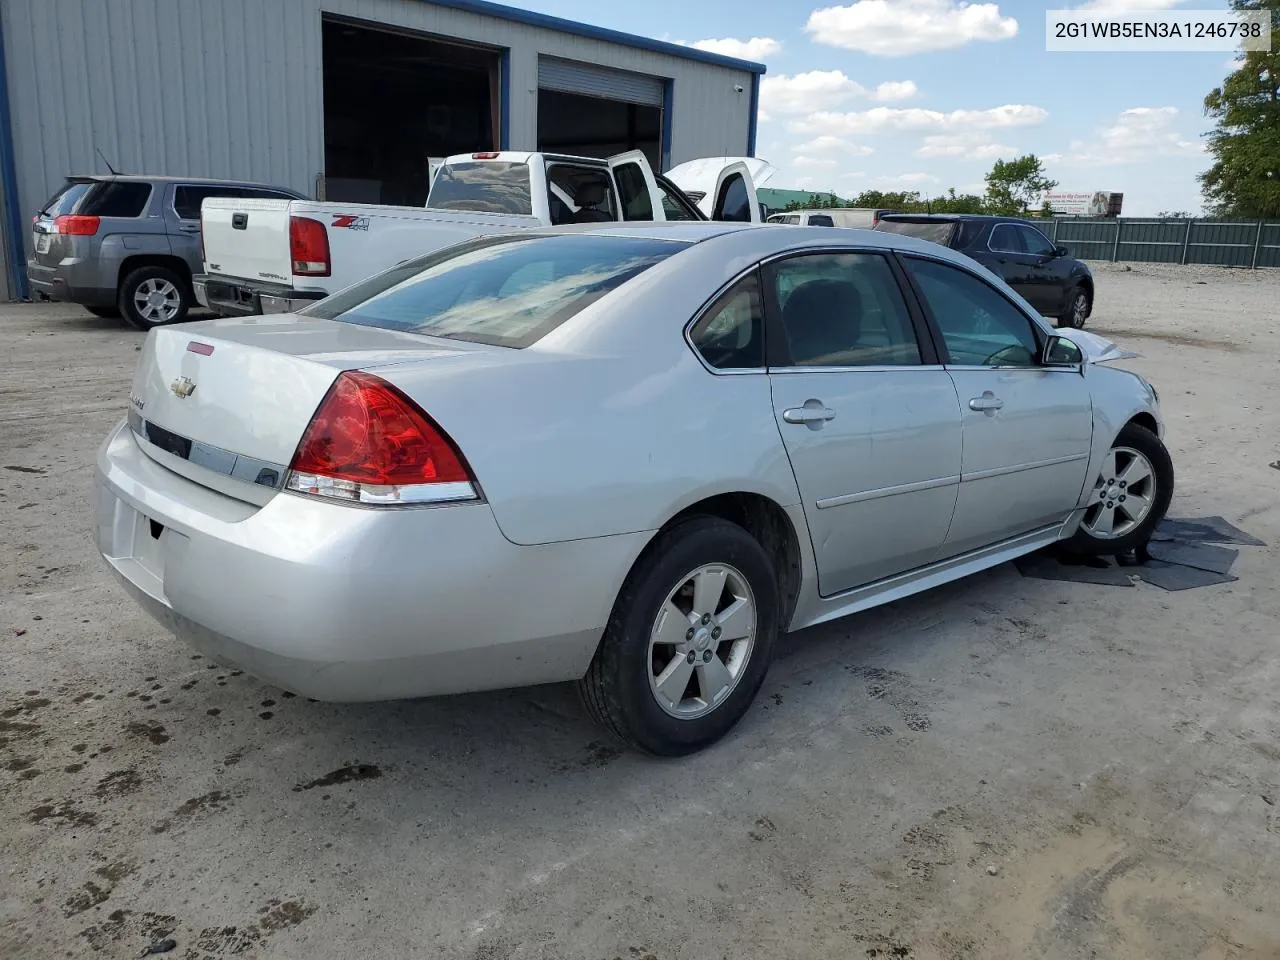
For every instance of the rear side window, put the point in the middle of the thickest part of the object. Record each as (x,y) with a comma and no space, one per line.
(187,199)
(489,187)
(117,198)
(505,291)
(933,230)
(820,220)
(633,192)
(65,200)
(730,335)
(733,203)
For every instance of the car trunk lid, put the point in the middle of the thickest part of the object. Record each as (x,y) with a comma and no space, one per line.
(225,402)
(247,238)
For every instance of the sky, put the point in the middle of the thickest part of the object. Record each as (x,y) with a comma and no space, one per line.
(927,94)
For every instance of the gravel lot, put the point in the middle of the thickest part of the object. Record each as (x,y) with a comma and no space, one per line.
(1004,767)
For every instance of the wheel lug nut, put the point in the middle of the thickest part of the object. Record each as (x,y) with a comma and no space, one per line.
(691,657)
(715,634)
(689,634)
(706,618)
(706,656)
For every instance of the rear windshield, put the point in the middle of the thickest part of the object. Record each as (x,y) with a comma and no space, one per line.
(65,200)
(939,231)
(489,187)
(505,291)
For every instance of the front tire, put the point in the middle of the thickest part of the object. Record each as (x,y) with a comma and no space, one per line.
(1130,495)
(689,640)
(151,296)
(1077,309)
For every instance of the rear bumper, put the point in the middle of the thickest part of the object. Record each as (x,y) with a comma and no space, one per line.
(345,603)
(231,297)
(74,282)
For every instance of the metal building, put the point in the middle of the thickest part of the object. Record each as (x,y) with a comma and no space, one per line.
(340,99)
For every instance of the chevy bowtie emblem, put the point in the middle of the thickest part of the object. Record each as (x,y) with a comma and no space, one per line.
(182,388)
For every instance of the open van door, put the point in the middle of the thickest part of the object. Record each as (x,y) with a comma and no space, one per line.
(638,196)
(724,188)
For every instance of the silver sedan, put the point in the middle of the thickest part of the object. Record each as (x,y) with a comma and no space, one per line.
(631,456)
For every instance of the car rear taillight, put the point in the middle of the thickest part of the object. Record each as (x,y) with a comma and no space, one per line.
(490,155)
(308,247)
(369,443)
(72,225)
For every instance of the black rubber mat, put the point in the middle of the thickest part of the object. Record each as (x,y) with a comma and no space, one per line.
(1173,576)
(1202,556)
(1204,530)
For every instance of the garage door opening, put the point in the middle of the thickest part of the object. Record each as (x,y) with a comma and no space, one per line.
(592,111)
(392,101)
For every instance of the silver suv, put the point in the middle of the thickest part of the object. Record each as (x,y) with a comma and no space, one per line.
(127,245)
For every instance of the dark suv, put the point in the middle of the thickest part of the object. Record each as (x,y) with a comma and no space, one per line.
(126,245)
(1046,275)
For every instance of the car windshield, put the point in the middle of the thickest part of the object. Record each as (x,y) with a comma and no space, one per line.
(504,291)
(939,231)
(487,187)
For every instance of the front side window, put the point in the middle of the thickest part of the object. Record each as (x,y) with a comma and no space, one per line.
(979,326)
(1006,239)
(1036,242)
(733,203)
(484,187)
(730,335)
(843,310)
(507,291)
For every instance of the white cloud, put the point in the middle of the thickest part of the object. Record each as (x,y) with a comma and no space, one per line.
(976,146)
(829,144)
(813,163)
(893,28)
(806,92)
(757,48)
(908,179)
(1135,136)
(895,90)
(1109,5)
(889,119)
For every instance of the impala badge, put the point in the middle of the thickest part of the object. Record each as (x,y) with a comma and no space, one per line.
(182,388)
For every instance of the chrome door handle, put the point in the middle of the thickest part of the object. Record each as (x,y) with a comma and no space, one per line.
(986,403)
(812,412)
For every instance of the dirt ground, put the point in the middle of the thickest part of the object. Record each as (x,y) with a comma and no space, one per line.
(1002,768)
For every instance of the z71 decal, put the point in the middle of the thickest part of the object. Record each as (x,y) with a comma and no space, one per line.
(348,222)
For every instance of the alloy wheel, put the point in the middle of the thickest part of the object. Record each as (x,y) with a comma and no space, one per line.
(157,300)
(1122,496)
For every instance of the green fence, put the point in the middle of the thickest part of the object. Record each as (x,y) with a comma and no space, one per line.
(1222,243)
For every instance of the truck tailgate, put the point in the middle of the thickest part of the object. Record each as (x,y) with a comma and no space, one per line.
(247,238)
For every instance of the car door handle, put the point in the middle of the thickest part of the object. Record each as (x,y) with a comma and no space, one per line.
(987,403)
(190,228)
(812,412)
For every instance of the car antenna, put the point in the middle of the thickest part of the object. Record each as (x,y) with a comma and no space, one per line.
(114,171)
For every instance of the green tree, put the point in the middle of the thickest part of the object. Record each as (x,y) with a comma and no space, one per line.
(1244,180)
(1013,186)
(953,202)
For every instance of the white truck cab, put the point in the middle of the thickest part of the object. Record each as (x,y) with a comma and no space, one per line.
(267,256)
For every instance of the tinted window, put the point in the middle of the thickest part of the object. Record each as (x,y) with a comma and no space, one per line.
(734,203)
(979,326)
(187,198)
(673,205)
(65,200)
(633,192)
(730,335)
(509,291)
(1006,239)
(493,187)
(843,310)
(116,198)
(1035,241)
(938,231)
(820,220)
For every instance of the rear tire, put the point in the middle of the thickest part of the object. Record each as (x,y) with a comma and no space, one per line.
(669,677)
(1137,470)
(1077,309)
(151,296)
(108,312)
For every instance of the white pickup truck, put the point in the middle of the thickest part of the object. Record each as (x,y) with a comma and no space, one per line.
(276,256)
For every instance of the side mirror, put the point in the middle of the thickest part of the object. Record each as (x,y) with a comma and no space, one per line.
(1061,252)
(1061,352)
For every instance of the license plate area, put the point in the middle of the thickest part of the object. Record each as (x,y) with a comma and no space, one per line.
(42,242)
(148,545)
